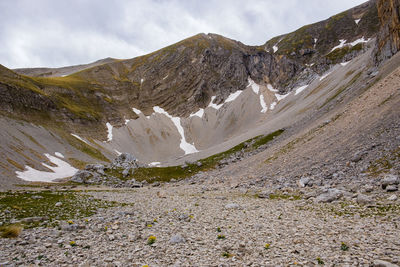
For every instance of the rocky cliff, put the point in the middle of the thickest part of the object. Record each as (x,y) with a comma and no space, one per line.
(388,38)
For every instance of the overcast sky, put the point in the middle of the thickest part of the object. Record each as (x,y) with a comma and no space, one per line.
(55,33)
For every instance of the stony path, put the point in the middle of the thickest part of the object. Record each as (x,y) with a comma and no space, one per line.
(197,225)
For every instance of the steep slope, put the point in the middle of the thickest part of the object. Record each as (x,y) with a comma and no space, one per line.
(187,101)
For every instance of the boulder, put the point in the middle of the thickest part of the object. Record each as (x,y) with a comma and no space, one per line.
(364,199)
(389,179)
(332,194)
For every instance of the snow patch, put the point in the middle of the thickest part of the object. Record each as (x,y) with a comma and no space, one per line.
(136,111)
(233,96)
(255,87)
(272,106)
(359,41)
(263,104)
(199,113)
(275,48)
(80,138)
(344,63)
(141,81)
(165,77)
(342,42)
(280,97)
(215,106)
(58,154)
(325,75)
(118,153)
(271,88)
(126,121)
(300,89)
(109,132)
(62,170)
(185,146)
(357,21)
(154,164)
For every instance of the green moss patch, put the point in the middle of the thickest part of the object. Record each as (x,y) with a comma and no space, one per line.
(29,204)
(339,53)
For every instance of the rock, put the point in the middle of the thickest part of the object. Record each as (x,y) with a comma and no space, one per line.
(329,196)
(389,179)
(381,263)
(82,176)
(58,204)
(264,194)
(125,160)
(99,168)
(392,198)
(364,199)
(133,184)
(368,188)
(391,188)
(305,181)
(232,206)
(176,239)
(36,197)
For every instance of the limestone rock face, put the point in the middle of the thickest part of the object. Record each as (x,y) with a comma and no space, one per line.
(388,38)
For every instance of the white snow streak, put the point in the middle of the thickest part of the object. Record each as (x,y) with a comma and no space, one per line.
(109,131)
(199,113)
(271,88)
(118,153)
(359,41)
(62,170)
(275,48)
(342,42)
(78,137)
(185,146)
(280,97)
(141,81)
(215,106)
(325,75)
(345,63)
(165,77)
(357,21)
(126,121)
(233,96)
(263,104)
(136,111)
(300,89)
(255,87)
(58,154)
(154,164)
(272,106)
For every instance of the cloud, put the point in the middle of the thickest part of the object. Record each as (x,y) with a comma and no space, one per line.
(58,33)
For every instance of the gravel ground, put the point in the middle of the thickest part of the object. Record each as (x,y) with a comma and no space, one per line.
(209,225)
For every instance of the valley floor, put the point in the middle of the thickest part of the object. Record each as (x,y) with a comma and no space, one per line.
(203,224)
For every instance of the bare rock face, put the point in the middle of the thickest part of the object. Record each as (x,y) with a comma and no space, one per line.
(388,38)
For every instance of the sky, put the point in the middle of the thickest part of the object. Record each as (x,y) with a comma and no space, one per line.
(56,33)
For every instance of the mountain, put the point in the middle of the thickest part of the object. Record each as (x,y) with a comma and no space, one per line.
(193,99)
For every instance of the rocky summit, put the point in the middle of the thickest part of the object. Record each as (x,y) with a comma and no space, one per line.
(210,152)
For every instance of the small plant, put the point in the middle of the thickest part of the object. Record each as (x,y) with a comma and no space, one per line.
(221,237)
(11,231)
(151,240)
(149,225)
(267,246)
(218,229)
(320,261)
(72,243)
(226,254)
(344,247)
(70,222)
(155,220)
(196,204)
